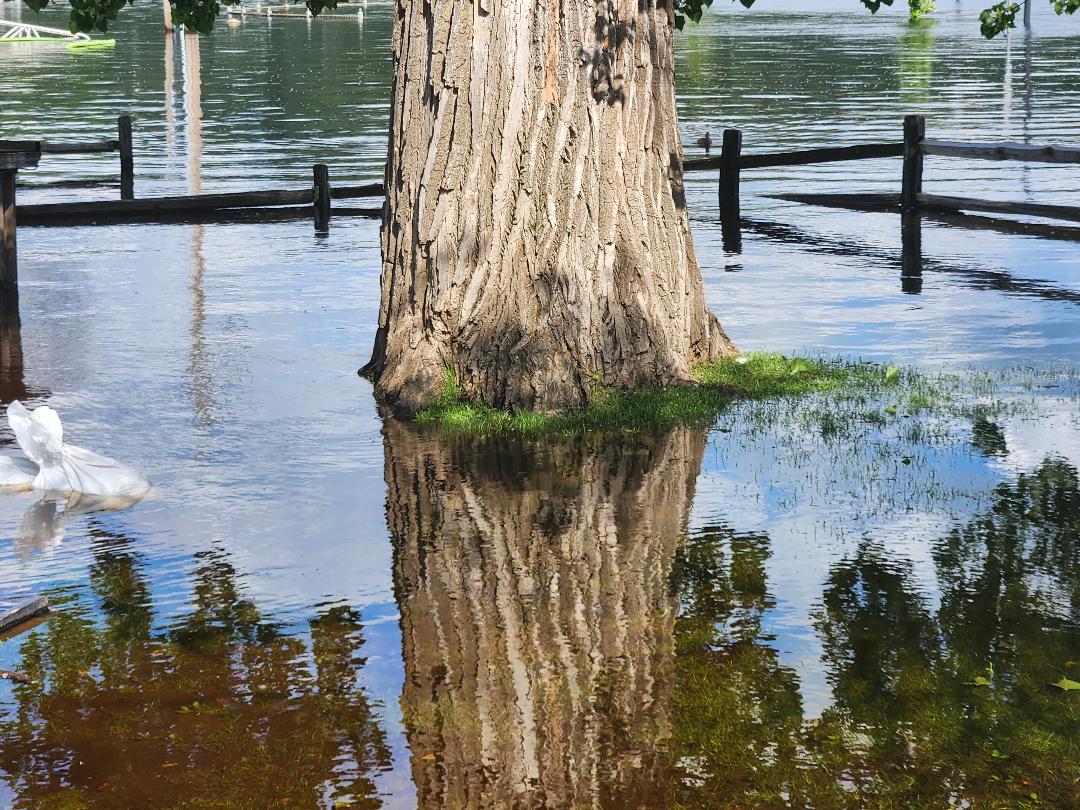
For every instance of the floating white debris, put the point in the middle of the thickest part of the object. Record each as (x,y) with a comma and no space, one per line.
(53,466)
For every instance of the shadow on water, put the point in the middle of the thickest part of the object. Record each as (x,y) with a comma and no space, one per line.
(910,263)
(567,642)
(12,369)
(221,709)
(12,385)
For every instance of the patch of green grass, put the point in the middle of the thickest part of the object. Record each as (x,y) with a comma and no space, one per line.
(751,376)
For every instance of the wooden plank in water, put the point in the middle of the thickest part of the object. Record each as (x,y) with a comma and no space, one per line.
(890,203)
(352,192)
(855,202)
(24,613)
(835,154)
(1032,153)
(146,209)
(201,202)
(1065,212)
(85,148)
(803,157)
(19,154)
(43,218)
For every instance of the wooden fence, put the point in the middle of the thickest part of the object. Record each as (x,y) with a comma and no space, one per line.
(914,149)
(122,144)
(315,201)
(272,205)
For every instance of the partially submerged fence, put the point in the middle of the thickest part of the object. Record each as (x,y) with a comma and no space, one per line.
(244,206)
(914,148)
(315,202)
(121,144)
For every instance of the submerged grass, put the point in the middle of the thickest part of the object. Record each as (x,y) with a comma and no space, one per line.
(753,376)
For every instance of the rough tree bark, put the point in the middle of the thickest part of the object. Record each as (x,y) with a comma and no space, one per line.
(535,587)
(535,238)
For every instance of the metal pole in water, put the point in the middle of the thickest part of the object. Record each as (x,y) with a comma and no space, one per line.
(1027,13)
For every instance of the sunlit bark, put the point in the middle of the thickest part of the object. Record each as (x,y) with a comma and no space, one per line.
(535,238)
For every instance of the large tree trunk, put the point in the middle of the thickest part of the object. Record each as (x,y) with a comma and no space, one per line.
(535,238)
(537,601)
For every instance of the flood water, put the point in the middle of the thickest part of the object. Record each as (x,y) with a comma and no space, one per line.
(315,608)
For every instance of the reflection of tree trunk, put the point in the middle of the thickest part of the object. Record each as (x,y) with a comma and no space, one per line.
(537,611)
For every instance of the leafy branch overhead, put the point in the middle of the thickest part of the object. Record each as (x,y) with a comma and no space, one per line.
(199,15)
(993,21)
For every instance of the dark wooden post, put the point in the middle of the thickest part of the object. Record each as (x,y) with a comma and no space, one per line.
(127,159)
(730,151)
(14,155)
(9,276)
(730,214)
(911,187)
(321,197)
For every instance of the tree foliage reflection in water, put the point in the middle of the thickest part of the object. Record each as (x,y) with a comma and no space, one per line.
(567,643)
(221,710)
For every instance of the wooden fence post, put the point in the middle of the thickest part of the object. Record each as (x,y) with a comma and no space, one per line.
(911,186)
(127,160)
(321,197)
(9,277)
(730,151)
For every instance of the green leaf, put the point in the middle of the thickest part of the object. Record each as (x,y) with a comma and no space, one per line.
(999,18)
(891,410)
(1065,685)
(981,680)
(799,366)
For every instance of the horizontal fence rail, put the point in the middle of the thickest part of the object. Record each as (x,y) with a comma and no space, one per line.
(803,157)
(1063,212)
(914,148)
(122,144)
(1030,153)
(256,205)
(92,147)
